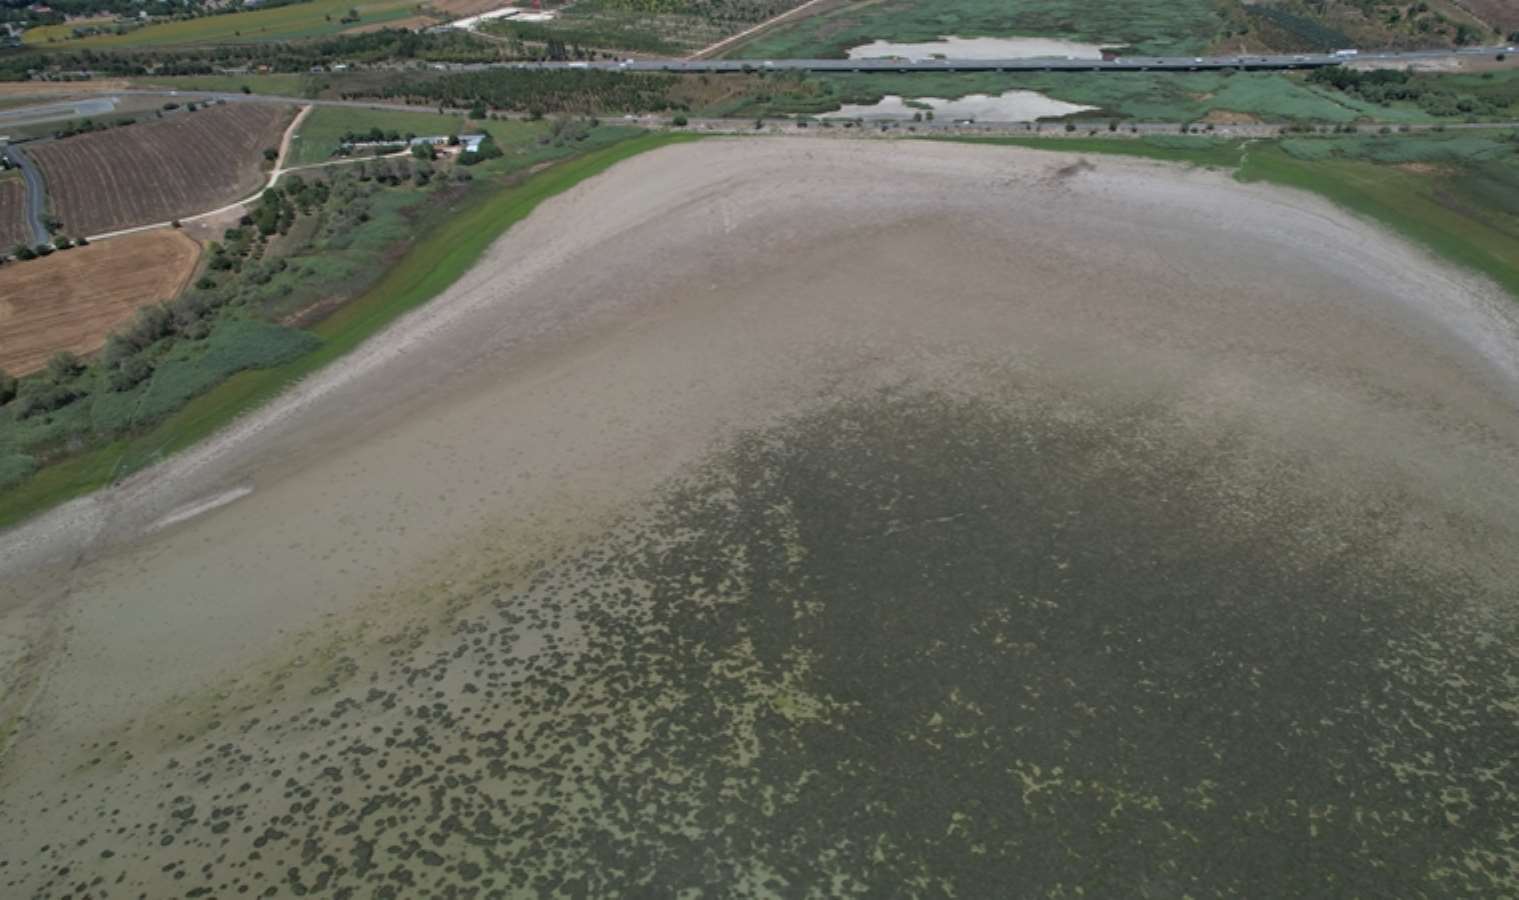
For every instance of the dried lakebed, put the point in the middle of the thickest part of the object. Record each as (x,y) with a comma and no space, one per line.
(783,517)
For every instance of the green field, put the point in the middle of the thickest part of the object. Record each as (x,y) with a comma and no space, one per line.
(282,23)
(322,131)
(1173,27)
(1146,96)
(445,252)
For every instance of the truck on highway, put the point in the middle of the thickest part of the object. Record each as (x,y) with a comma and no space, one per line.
(1343,53)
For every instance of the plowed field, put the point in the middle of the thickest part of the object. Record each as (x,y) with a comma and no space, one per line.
(12,221)
(72,299)
(185,164)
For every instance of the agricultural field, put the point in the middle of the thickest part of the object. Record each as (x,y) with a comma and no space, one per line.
(316,18)
(182,165)
(668,27)
(1501,14)
(322,131)
(1177,27)
(12,211)
(1319,25)
(72,299)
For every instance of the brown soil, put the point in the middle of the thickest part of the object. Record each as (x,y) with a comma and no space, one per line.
(412,23)
(50,88)
(468,7)
(154,171)
(12,220)
(1230,117)
(1501,14)
(73,299)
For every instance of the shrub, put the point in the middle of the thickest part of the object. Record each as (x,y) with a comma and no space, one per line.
(37,396)
(132,372)
(678,121)
(63,367)
(22,251)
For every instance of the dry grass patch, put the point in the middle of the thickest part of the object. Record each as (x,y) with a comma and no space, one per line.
(73,299)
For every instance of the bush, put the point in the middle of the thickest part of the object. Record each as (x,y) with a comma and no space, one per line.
(15,468)
(22,251)
(38,396)
(132,372)
(678,121)
(64,367)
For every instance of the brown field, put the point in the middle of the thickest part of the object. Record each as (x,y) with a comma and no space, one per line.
(53,88)
(1502,14)
(12,223)
(182,165)
(74,298)
(468,7)
(411,24)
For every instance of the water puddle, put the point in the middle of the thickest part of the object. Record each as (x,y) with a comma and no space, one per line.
(1012,106)
(979,48)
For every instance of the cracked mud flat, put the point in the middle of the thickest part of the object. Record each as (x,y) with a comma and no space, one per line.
(801,517)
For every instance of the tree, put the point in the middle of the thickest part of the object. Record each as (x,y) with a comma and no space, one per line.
(678,121)
(7,387)
(424,151)
(271,154)
(62,243)
(22,251)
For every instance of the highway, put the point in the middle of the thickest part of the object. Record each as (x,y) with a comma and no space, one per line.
(35,194)
(1028,64)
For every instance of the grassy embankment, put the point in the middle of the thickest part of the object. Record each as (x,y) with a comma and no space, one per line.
(282,23)
(1457,195)
(434,262)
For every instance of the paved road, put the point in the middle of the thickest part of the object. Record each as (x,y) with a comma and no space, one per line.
(1032,64)
(36,196)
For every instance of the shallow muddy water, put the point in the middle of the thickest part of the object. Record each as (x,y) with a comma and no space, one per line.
(979,48)
(1010,106)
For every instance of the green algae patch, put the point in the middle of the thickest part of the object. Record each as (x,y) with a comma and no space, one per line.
(906,639)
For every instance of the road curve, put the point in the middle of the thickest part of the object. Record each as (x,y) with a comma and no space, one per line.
(36,195)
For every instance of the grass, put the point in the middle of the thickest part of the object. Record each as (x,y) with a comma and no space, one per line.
(1197,151)
(322,131)
(1467,213)
(283,23)
(1174,27)
(1147,96)
(435,261)
(1465,210)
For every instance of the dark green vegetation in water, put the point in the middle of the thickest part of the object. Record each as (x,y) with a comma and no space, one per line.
(907,644)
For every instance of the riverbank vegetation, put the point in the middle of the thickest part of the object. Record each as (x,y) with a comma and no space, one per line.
(284,305)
